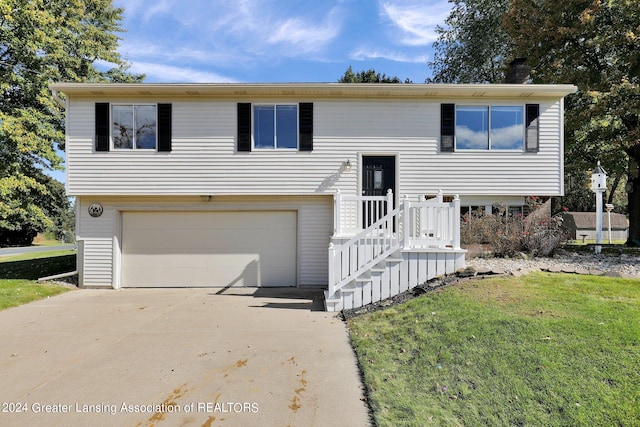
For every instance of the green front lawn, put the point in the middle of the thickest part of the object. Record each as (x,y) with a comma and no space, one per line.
(542,349)
(18,275)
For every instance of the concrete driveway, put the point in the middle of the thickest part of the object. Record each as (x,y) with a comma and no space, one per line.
(174,357)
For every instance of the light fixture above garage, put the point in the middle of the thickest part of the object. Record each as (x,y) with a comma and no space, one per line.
(205,198)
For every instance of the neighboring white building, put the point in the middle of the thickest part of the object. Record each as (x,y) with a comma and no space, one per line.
(235,184)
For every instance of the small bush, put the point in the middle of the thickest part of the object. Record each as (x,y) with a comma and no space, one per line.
(538,234)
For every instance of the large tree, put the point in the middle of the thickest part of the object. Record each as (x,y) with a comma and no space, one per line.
(472,47)
(369,76)
(594,44)
(42,41)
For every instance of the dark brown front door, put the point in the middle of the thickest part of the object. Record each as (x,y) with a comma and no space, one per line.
(378,177)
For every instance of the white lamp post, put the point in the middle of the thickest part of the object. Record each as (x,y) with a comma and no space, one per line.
(609,208)
(599,186)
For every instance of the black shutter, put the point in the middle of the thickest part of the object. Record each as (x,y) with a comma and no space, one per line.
(447,126)
(532,131)
(164,127)
(305,115)
(244,127)
(102,126)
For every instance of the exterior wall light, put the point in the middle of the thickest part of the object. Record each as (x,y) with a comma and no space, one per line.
(347,166)
(206,198)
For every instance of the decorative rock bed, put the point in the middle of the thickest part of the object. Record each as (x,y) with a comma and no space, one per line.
(601,265)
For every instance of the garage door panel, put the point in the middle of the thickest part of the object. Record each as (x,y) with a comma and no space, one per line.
(172,249)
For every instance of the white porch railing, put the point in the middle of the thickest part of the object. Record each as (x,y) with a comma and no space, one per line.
(356,256)
(432,223)
(412,226)
(352,213)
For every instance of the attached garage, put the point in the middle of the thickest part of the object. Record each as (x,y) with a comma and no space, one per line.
(209,248)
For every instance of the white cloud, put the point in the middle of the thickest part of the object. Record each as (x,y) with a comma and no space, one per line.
(228,33)
(159,7)
(305,36)
(272,31)
(471,139)
(365,53)
(509,137)
(158,50)
(416,20)
(171,74)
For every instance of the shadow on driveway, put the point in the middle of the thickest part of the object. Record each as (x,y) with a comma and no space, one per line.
(303,299)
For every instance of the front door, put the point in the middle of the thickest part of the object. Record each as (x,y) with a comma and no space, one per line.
(378,177)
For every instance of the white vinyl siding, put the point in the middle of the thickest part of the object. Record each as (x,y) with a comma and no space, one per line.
(204,158)
(102,235)
(97,235)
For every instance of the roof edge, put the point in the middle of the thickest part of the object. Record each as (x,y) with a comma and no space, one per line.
(380,90)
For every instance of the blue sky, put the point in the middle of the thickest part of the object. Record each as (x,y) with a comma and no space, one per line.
(278,40)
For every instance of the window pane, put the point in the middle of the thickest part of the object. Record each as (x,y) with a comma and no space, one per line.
(287,126)
(377,180)
(122,126)
(263,126)
(145,117)
(507,128)
(472,128)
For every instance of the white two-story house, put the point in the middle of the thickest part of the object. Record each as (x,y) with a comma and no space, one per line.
(301,185)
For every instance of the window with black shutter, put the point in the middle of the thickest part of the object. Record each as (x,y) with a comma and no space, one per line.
(489,127)
(275,126)
(133,126)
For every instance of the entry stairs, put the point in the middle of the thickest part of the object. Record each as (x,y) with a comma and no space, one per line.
(379,251)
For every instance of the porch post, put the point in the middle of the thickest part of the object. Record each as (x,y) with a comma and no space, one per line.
(389,224)
(332,269)
(440,218)
(406,226)
(421,216)
(337,213)
(456,222)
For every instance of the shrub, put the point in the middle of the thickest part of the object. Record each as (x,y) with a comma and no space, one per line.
(539,234)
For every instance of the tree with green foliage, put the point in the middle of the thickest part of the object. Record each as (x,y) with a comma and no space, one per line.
(369,76)
(42,42)
(472,47)
(594,44)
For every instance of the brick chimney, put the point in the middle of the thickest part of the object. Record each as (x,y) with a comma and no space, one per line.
(519,72)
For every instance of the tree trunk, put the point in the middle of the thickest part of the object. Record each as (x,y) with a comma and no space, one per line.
(634,212)
(614,187)
(634,195)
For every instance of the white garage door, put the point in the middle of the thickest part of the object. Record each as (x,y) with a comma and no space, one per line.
(189,249)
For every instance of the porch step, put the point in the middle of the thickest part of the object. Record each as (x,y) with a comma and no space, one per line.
(400,272)
(332,303)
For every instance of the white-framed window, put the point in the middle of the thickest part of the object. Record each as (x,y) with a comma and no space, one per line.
(134,126)
(275,126)
(489,127)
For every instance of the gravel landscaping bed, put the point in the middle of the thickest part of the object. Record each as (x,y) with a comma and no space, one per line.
(602,265)
(615,266)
